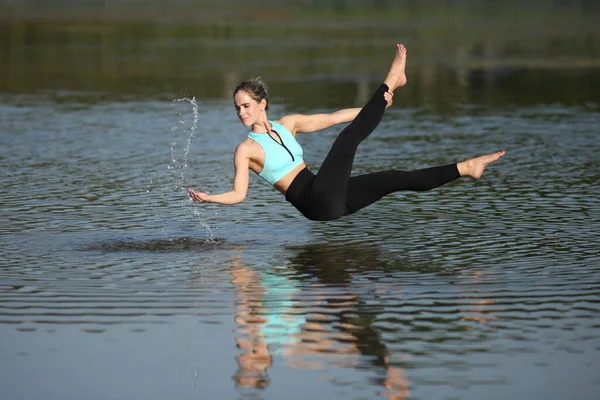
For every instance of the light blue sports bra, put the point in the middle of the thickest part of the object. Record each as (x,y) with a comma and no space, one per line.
(280,159)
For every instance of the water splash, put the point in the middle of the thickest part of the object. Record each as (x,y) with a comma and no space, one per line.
(183,133)
(182,163)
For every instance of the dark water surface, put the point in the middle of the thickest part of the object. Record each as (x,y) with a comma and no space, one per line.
(114,286)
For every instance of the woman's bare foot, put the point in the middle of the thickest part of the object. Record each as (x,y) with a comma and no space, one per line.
(475,166)
(396,76)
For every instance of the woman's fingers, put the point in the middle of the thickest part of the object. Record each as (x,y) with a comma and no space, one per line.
(388,98)
(196,196)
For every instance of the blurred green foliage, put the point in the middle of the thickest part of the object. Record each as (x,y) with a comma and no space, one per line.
(303,47)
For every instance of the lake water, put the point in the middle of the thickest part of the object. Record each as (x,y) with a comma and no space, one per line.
(113,285)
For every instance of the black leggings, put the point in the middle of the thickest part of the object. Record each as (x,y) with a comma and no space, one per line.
(333,193)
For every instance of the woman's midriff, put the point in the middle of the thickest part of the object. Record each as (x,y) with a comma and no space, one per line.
(284,183)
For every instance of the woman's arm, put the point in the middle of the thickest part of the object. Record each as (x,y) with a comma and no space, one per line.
(317,122)
(241,162)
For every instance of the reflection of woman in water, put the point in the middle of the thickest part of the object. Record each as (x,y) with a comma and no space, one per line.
(323,328)
(266,322)
(272,151)
(351,324)
(255,358)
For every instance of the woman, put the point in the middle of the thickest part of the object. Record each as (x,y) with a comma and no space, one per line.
(272,151)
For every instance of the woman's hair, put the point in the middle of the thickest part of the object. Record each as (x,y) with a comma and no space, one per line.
(256,88)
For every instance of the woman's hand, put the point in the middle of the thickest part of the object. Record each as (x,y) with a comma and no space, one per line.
(198,197)
(388,96)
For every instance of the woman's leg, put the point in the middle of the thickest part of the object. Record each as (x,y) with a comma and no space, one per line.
(332,179)
(335,169)
(364,190)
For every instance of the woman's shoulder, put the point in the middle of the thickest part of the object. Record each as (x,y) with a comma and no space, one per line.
(288,122)
(246,145)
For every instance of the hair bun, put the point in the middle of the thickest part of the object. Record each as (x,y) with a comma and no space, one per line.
(261,83)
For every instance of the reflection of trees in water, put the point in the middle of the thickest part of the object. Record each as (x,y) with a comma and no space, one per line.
(451,54)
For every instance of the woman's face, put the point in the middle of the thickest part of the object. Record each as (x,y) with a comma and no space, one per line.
(248,110)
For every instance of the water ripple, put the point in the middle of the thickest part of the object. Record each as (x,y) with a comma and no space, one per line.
(443,288)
